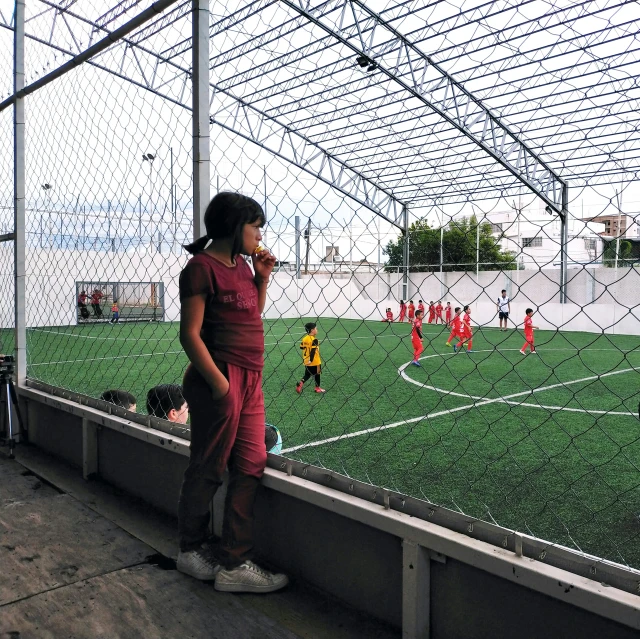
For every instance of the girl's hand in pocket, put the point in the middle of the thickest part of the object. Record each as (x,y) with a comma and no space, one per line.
(219,392)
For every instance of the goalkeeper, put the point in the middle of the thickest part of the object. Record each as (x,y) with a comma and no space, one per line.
(310,348)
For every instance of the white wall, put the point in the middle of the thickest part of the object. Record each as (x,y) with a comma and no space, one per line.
(601,299)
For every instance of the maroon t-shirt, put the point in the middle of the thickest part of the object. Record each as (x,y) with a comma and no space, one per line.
(232,327)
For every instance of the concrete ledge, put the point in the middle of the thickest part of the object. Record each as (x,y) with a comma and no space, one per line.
(353,547)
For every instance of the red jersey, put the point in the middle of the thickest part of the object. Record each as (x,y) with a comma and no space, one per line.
(403,308)
(457,324)
(232,327)
(416,331)
(412,311)
(96,297)
(448,313)
(528,326)
(467,319)
(421,307)
(390,316)
(432,310)
(82,298)
(439,309)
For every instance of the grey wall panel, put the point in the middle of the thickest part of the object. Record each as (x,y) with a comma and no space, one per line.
(468,603)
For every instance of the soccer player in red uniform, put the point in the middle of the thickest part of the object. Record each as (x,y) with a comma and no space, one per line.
(528,332)
(456,327)
(439,312)
(447,313)
(411,311)
(403,311)
(421,306)
(416,338)
(467,332)
(96,297)
(432,312)
(389,315)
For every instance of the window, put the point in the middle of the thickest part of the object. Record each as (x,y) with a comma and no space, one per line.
(496,228)
(531,241)
(590,244)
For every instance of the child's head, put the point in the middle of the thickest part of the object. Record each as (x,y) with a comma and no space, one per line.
(457,310)
(448,303)
(120,398)
(401,301)
(167,402)
(529,312)
(235,218)
(504,292)
(410,301)
(419,314)
(431,303)
(419,301)
(439,301)
(311,328)
(467,309)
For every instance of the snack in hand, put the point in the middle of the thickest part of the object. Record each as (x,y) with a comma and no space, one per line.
(258,249)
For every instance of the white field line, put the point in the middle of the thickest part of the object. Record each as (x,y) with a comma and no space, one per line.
(95,359)
(484,402)
(100,359)
(129,339)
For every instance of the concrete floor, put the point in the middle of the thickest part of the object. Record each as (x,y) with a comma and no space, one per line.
(81,559)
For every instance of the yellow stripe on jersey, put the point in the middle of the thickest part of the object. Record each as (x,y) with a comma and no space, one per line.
(310,346)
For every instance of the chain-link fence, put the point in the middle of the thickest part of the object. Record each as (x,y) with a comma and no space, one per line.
(385,187)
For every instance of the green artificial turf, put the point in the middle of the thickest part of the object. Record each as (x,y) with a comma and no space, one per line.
(559,461)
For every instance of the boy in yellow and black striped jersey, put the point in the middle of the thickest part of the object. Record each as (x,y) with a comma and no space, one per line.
(310,348)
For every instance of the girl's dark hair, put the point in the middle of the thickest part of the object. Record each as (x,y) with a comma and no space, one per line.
(225,217)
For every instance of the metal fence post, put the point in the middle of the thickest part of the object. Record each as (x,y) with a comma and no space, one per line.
(297,246)
(564,241)
(405,255)
(200,115)
(19,211)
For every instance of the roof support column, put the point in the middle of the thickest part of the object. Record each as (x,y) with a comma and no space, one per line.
(200,115)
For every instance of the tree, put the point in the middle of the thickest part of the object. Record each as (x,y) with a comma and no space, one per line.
(458,248)
(609,253)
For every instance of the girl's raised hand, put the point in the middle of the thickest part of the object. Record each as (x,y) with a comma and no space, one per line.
(263,263)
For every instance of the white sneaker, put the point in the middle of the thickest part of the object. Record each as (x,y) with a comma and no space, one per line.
(199,564)
(248,577)
(522,353)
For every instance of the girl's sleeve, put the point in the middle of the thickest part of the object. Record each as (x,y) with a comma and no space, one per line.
(196,279)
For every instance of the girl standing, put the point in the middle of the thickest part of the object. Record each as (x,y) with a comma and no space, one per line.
(221,332)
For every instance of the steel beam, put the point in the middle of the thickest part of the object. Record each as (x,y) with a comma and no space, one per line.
(89,53)
(357,27)
(168,79)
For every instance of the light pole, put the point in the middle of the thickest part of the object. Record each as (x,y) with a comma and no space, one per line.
(46,188)
(150,157)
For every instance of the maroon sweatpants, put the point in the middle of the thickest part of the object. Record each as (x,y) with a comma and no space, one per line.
(225,432)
